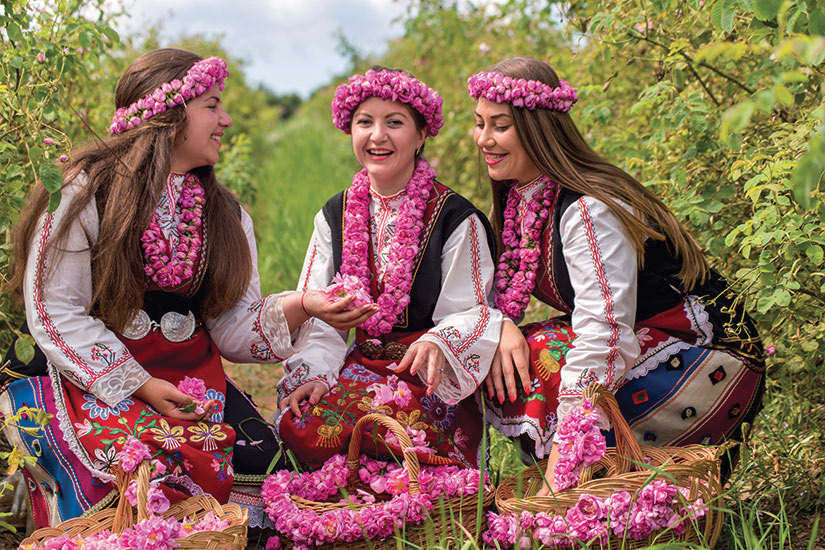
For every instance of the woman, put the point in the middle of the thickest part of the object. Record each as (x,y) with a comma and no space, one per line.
(144,275)
(421,252)
(647,317)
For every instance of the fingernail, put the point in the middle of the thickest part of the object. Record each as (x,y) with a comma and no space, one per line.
(512,398)
(501,400)
(313,400)
(490,393)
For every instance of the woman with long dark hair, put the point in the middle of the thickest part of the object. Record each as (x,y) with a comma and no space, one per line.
(145,275)
(644,313)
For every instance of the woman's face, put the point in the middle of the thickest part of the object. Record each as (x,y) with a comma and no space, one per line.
(496,137)
(384,140)
(200,141)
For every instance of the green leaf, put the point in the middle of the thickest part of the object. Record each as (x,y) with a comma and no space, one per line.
(722,15)
(736,118)
(111,34)
(54,201)
(783,95)
(809,171)
(16,62)
(24,348)
(815,254)
(14,33)
(52,177)
(84,39)
(766,10)
(816,21)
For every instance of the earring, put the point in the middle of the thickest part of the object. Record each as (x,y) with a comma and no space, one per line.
(418,149)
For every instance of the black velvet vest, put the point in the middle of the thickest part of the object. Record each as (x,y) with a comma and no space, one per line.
(445,211)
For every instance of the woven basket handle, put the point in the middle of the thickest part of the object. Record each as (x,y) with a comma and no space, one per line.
(627,448)
(124,517)
(410,458)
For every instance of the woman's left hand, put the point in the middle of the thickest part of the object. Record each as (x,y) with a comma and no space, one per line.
(336,314)
(425,355)
(548,473)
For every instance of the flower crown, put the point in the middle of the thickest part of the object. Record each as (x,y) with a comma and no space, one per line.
(201,77)
(390,86)
(519,92)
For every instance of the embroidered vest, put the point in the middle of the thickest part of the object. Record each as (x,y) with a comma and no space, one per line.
(444,213)
(659,276)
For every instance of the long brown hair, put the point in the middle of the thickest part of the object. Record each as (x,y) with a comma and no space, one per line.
(557,148)
(126,176)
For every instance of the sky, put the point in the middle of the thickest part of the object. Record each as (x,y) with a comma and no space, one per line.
(288,45)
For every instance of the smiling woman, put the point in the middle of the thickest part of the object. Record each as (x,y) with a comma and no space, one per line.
(423,254)
(145,275)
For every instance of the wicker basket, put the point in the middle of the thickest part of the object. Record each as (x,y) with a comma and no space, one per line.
(695,467)
(124,516)
(453,519)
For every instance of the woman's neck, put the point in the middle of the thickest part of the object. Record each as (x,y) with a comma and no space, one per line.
(388,188)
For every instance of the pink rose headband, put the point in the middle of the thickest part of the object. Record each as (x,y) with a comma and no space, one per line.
(201,77)
(390,86)
(530,94)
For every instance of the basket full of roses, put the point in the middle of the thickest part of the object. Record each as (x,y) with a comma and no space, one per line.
(629,496)
(144,518)
(356,502)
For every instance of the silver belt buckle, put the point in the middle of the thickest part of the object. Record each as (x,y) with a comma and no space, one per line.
(174,326)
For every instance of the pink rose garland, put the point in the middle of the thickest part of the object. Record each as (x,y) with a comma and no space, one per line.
(529,94)
(403,248)
(200,78)
(516,270)
(169,268)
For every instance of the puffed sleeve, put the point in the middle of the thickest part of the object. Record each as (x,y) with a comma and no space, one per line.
(320,348)
(255,330)
(58,296)
(602,264)
(467,329)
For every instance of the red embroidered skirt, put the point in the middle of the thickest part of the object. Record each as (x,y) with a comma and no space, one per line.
(198,455)
(689,385)
(453,432)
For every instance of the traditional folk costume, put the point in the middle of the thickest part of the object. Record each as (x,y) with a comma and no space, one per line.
(448,307)
(92,371)
(686,367)
(424,256)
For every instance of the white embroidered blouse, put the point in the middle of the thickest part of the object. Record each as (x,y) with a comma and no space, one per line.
(466,328)
(601,261)
(88,353)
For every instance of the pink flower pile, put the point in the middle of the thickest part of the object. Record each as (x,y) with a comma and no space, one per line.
(169,268)
(516,269)
(529,94)
(403,247)
(349,285)
(594,519)
(308,529)
(202,77)
(394,391)
(153,533)
(196,389)
(581,444)
(389,86)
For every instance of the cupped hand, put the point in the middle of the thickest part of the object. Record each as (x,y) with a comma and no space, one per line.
(336,314)
(167,400)
(313,391)
(512,358)
(425,355)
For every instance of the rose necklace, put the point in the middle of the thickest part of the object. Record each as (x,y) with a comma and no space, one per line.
(516,270)
(170,267)
(404,243)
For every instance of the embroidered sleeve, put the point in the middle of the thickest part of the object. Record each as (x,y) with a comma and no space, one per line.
(320,350)
(603,270)
(255,329)
(467,329)
(58,295)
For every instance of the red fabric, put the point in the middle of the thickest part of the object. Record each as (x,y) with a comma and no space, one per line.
(452,431)
(200,451)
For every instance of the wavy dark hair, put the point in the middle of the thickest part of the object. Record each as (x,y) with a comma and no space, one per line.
(126,174)
(557,148)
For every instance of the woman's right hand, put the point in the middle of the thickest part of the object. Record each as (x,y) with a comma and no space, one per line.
(512,357)
(335,314)
(167,400)
(313,391)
